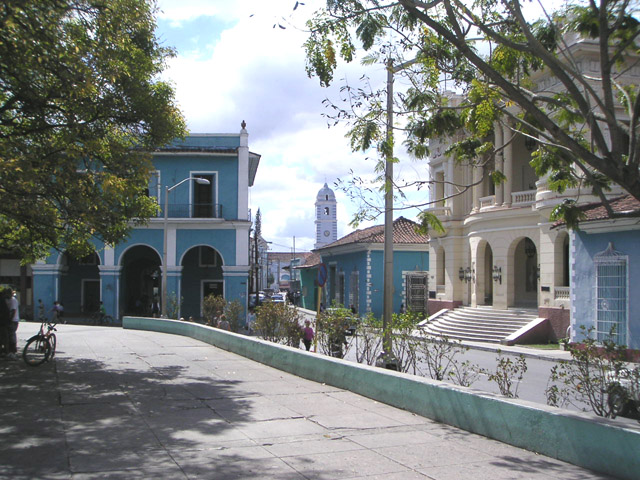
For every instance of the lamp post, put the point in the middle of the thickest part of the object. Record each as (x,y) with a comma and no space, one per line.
(201,181)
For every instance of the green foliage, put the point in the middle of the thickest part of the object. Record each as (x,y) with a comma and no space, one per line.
(81,105)
(508,374)
(368,339)
(405,345)
(212,307)
(585,128)
(590,378)
(439,354)
(235,315)
(174,305)
(331,327)
(278,323)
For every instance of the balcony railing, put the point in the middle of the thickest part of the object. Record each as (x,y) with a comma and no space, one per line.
(193,210)
(561,293)
(487,202)
(523,198)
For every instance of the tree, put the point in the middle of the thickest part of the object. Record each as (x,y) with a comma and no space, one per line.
(585,126)
(81,107)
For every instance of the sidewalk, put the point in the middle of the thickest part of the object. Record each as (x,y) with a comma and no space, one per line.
(130,404)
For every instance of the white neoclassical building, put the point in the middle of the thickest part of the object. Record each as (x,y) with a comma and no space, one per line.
(499,249)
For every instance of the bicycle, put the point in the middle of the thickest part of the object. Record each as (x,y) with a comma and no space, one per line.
(41,347)
(102,319)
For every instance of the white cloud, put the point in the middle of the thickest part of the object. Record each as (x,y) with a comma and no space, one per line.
(253,72)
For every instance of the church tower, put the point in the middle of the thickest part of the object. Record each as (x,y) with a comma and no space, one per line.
(326,218)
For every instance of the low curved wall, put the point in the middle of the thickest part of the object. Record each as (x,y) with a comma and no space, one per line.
(595,443)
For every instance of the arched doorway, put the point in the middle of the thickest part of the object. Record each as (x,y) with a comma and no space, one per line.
(484,274)
(80,284)
(201,276)
(141,280)
(525,274)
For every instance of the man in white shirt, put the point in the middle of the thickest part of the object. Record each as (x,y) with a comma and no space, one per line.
(12,301)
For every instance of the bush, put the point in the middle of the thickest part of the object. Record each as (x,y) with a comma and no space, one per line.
(235,315)
(331,327)
(508,375)
(591,377)
(439,355)
(213,307)
(368,340)
(278,323)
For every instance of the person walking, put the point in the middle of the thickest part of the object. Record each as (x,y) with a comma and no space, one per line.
(14,308)
(307,335)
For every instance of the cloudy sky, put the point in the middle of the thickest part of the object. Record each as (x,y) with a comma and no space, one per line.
(232,65)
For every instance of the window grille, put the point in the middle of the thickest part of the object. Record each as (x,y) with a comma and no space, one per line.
(611,295)
(417,292)
(340,297)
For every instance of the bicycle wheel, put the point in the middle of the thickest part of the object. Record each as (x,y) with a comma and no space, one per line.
(52,344)
(36,351)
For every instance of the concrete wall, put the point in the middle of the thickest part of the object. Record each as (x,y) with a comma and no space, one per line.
(590,442)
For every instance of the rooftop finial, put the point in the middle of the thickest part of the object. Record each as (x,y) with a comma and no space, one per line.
(243,124)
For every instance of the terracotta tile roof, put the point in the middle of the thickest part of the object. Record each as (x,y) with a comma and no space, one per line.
(404,231)
(312,260)
(285,257)
(596,211)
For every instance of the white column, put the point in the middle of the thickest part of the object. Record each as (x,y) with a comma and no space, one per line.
(508,165)
(477,187)
(243,174)
(499,161)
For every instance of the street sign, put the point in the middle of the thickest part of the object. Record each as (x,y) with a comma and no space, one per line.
(322,274)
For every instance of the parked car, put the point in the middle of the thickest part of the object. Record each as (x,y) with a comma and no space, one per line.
(278,298)
(252,299)
(624,392)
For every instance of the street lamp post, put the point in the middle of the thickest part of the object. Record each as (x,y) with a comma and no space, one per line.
(201,181)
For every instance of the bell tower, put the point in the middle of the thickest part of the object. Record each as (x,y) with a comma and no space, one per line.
(326,217)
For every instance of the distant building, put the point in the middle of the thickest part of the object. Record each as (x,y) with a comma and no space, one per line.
(283,274)
(355,265)
(326,217)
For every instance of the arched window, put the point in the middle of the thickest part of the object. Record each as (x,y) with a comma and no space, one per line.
(326,210)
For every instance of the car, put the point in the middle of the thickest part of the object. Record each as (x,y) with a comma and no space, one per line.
(252,299)
(623,390)
(278,298)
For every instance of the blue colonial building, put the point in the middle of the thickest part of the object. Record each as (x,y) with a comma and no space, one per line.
(605,264)
(355,266)
(198,244)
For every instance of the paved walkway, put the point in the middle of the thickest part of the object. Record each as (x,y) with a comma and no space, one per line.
(128,404)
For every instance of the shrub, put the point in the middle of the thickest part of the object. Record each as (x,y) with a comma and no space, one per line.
(439,356)
(213,307)
(508,374)
(278,323)
(331,327)
(591,377)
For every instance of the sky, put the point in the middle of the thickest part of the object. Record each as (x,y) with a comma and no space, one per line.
(233,65)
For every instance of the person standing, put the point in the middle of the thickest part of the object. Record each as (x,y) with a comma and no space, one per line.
(307,335)
(223,323)
(41,315)
(5,322)
(14,308)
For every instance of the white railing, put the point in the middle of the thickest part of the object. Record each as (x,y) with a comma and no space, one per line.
(439,211)
(523,198)
(487,202)
(561,293)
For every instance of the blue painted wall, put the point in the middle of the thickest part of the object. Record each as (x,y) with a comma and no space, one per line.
(584,247)
(402,261)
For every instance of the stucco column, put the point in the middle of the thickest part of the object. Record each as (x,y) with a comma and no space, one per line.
(508,165)
(499,144)
(110,288)
(477,187)
(243,174)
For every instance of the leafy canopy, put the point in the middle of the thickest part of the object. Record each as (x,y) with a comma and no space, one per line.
(80,104)
(560,77)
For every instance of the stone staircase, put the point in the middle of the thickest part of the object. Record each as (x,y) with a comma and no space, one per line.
(479,324)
